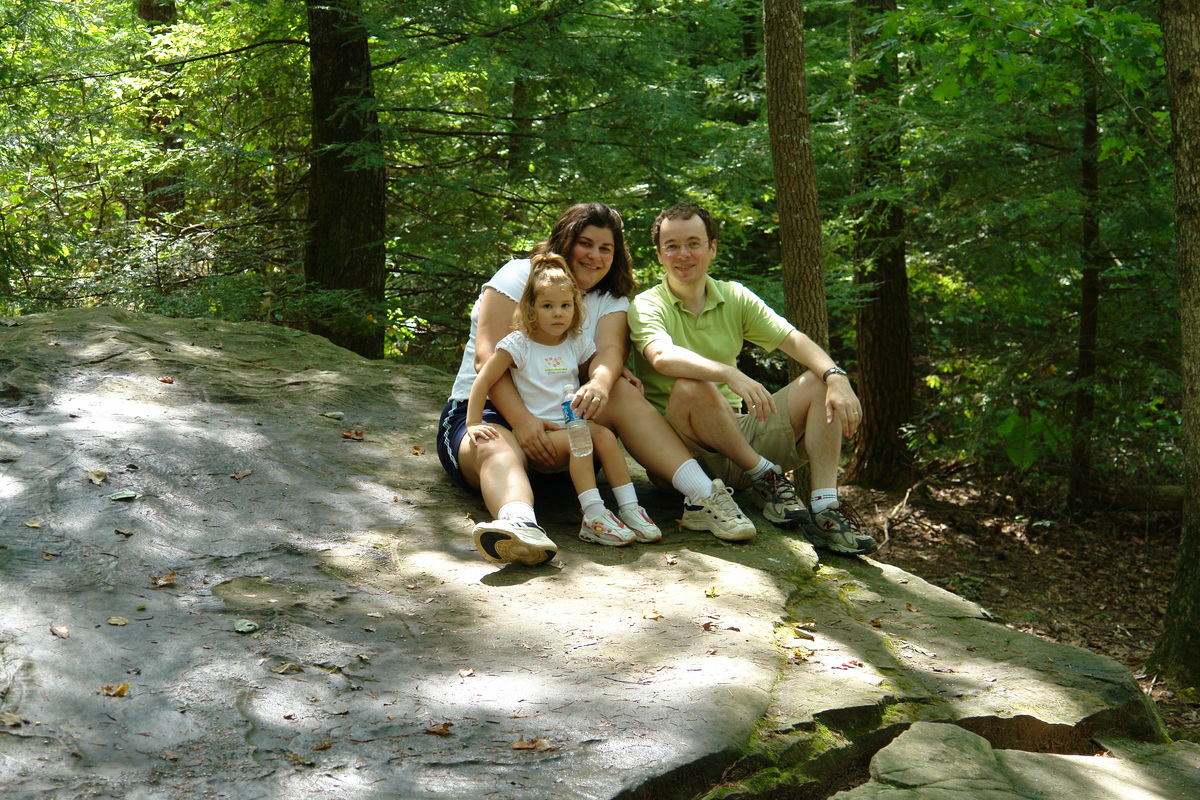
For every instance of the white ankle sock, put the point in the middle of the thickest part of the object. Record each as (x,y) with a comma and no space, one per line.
(591,503)
(822,499)
(691,481)
(763,467)
(626,495)
(517,511)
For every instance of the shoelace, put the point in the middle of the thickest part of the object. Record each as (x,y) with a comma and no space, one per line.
(851,515)
(780,486)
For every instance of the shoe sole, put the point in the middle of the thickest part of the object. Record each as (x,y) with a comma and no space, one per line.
(705,525)
(780,520)
(816,541)
(607,542)
(500,547)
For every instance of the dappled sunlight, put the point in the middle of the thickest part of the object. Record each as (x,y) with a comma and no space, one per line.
(10,488)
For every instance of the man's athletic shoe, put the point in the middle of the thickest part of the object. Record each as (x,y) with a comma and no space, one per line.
(607,530)
(777,497)
(638,521)
(838,529)
(503,540)
(719,515)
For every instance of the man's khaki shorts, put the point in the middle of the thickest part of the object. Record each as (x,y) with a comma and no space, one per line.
(774,440)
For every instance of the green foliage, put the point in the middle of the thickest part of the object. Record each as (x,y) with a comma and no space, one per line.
(166,170)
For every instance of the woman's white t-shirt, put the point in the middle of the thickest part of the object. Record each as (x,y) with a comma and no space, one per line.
(510,281)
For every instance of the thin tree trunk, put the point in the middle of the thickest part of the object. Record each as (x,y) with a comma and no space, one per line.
(885,373)
(161,190)
(1080,471)
(345,248)
(795,171)
(1177,653)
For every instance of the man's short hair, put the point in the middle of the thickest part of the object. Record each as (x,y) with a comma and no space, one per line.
(684,211)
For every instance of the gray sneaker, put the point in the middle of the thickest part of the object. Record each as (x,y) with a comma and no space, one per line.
(719,515)
(777,498)
(838,529)
(505,540)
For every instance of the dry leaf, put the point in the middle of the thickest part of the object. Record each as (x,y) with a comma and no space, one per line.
(440,730)
(237,476)
(117,621)
(285,668)
(117,690)
(166,379)
(466,673)
(712,651)
(61,631)
(651,614)
(325,745)
(877,622)
(539,743)
(167,755)
(356,436)
(418,450)
(123,532)
(671,560)
(97,476)
(165,580)
(11,720)
(33,523)
(909,606)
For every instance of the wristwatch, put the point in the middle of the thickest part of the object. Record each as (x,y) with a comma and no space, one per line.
(834,370)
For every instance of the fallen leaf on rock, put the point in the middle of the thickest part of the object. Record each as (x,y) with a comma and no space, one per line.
(166,379)
(128,494)
(167,755)
(97,476)
(671,560)
(163,581)
(117,621)
(853,663)
(356,436)
(877,622)
(116,690)
(539,743)
(60,631)
(910,607)
(418,450)
(440,730)
(651,614)
(48,556)
(122,532)
(245,626)
(325,745)
(712,592)
(333,414)
(712,651)
(11,720)
(33,523)
(285,668)
(466,673)
(237,476)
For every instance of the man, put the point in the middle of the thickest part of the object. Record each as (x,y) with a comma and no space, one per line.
(687,333)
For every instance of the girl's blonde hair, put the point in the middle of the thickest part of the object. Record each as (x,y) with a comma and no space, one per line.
(549,270)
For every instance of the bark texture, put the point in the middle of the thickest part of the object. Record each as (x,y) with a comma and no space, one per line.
(346,211)
(1177,654)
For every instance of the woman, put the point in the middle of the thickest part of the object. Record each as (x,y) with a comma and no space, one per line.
(591,238)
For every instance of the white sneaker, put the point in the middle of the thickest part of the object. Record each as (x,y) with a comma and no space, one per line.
(638,521)
(719,515)
(505,540)
(607,530)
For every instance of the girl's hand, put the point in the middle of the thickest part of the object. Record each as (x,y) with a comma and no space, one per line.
(481,433)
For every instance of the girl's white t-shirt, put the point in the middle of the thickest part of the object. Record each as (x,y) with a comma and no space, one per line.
(510,281)
(540,370)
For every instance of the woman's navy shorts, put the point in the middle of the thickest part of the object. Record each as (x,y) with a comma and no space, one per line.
(452,427)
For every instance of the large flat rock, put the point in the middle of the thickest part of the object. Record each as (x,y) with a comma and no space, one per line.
(382,657)
(944,762)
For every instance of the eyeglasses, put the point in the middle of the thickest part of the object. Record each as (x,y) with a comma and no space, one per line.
(693,247)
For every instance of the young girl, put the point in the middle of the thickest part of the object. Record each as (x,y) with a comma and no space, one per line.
(545,352)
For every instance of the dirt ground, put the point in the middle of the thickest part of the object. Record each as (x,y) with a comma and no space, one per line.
(1099,580)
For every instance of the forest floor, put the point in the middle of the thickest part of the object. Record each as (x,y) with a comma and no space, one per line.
(1098,580)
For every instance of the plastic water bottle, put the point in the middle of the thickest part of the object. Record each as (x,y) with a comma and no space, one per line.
(577,429)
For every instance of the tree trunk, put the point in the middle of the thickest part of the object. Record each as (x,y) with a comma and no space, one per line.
(345,249)
(1080,471)
(885,374)
(1177,653)
(162,191)
(795,172)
